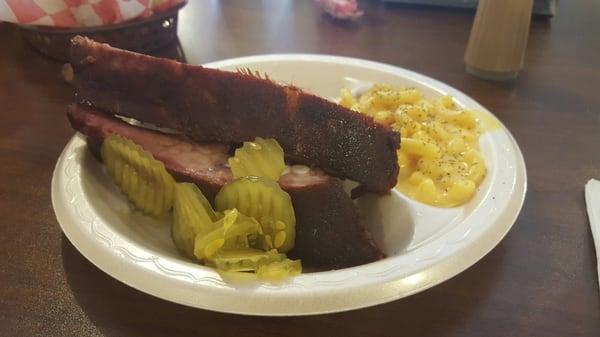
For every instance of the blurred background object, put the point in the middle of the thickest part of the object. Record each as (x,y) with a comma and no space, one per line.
(49,25)
(496,47)
(340,9)
(540,7)
(80,13)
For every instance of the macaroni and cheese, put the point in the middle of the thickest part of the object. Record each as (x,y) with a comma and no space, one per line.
(439,157)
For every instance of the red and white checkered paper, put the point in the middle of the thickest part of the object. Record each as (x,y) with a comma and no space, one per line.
(80,13)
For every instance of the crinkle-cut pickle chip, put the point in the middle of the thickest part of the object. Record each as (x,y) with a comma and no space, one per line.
(279,270)
(230,232)
(192,215)
(245,259)
(262,199)
(261,158)
(143,179)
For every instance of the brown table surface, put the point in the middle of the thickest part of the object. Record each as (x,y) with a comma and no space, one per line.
(539,281)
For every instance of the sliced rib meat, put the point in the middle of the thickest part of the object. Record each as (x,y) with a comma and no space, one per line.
(329,233)
(210,105)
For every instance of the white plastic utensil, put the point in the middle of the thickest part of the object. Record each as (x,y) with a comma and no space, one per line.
(592,200)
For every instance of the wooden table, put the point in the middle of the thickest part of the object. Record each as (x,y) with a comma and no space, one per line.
(540,281)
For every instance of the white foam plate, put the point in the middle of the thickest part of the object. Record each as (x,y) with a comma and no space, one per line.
(425,245)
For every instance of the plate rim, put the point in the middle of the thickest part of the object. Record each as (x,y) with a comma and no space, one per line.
(392,290)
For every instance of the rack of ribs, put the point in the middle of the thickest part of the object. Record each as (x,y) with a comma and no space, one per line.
(329,232)
(210,105)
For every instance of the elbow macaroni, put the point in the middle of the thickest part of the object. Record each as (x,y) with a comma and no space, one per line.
(439,157)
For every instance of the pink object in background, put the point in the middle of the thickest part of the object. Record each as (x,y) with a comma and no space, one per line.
(80,13)
(340,9)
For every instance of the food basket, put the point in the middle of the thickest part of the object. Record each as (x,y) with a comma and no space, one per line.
(139,35)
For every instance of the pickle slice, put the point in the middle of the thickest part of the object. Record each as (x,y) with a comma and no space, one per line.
(247,259)
(262,158)
(230,232)
(192,214)
(262,199)
(143,179)
(279,270)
